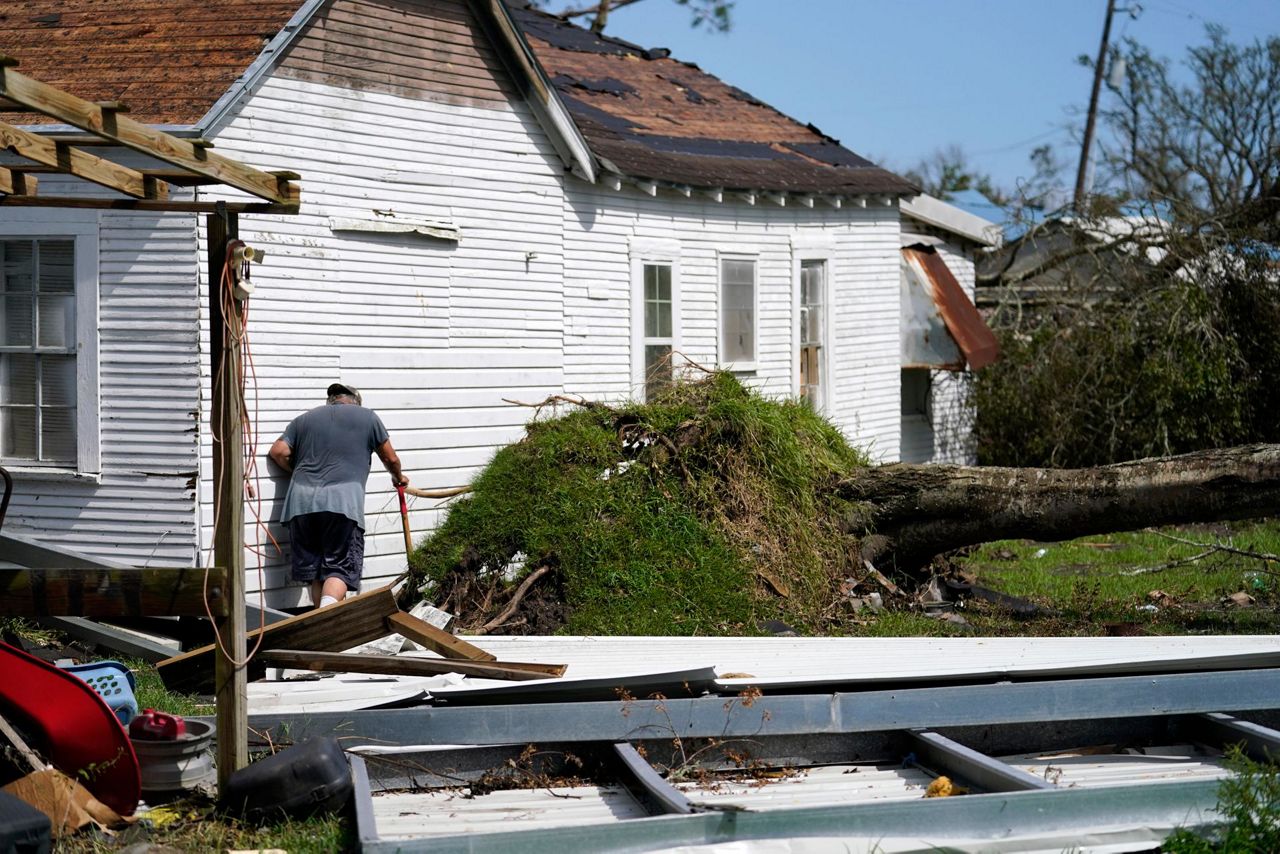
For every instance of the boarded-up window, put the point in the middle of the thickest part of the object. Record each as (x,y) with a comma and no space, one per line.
(737,310)
(659,326)
(37,351)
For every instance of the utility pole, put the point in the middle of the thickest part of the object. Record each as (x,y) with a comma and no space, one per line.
(1091,120)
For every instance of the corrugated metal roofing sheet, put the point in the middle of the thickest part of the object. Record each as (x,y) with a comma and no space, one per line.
(972,335)
(780,661)
(420,815)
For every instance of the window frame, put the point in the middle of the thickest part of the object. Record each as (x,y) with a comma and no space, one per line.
(823,249)
(752,364)
(645,253)
(81,227)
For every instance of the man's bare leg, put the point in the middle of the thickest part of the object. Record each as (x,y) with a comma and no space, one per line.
(334,588)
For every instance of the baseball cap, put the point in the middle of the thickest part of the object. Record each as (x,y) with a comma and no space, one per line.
(344,388)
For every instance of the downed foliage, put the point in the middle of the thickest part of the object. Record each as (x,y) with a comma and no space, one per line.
(709,509)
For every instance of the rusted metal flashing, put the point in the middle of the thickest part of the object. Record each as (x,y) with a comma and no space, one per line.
(972,335)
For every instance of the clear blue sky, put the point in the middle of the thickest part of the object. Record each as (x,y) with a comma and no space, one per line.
(896,79)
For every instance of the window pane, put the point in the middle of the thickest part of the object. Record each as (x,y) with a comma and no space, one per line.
(15,266)
(58,434)
(57,267)
(650,282)
(664,320)
(664,281)
(58,380)
(738,297)
(657,369)
(738,272)
(739,336)
(18,378)
(15,320)
(18,432)
(57,320)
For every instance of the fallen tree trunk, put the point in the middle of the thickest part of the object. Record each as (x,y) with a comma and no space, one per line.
(909,513)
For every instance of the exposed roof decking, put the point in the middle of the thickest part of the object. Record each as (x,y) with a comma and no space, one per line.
(657,118)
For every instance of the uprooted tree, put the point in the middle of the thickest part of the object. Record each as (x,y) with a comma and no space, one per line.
(712,509)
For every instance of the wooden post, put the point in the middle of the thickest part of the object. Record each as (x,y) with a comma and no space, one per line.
(230,681)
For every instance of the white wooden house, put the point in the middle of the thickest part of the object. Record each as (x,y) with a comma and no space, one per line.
(497,206)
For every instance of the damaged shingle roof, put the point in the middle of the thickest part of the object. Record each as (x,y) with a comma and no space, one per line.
(170,61)
(660,119)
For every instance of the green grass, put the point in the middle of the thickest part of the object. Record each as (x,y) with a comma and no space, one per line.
(1091,581)
(197,828)
(151,693)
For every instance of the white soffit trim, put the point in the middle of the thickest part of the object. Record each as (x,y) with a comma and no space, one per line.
(224,109)
(541,95)
(950,218)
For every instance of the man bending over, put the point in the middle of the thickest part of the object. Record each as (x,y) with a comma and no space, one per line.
(327,452)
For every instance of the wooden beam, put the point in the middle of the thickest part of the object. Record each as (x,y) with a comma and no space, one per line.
(226,421)
(351,622)
(395,665)
(146,205)
(15,182)
(436,640)
(81,164)
(110,124)
(146,592)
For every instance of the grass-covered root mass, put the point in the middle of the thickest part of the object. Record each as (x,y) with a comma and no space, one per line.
(707,510)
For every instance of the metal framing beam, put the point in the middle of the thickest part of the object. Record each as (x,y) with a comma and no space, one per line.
(654,793)
(940,753)
(972,817)
(1260,742)
(362,798)
(116,640)
(870,711)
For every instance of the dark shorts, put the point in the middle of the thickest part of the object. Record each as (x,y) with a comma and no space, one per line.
(327,545)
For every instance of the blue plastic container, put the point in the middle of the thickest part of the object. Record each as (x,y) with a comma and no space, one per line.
(113,682)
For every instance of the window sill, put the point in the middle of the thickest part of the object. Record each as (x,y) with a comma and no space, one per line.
(52,475)
(740,367)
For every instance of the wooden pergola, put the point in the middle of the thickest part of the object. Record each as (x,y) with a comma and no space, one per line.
(189,163)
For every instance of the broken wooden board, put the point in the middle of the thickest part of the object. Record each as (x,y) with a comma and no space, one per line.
(145,592)
(351,622)
(422,632)
(345,662)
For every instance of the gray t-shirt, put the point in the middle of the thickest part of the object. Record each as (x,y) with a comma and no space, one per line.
(331,446)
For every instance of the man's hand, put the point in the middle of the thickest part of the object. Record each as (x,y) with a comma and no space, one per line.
(391,461)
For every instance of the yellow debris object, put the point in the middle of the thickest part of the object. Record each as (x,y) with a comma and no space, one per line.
(942,787)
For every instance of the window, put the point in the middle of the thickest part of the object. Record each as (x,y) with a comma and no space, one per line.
(813,276)
(48,370)
(738,312)
(655,313)
(659,328)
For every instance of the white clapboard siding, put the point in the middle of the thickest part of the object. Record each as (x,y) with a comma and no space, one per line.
(600,225)
(436,334)
(140,508)
(946,435)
